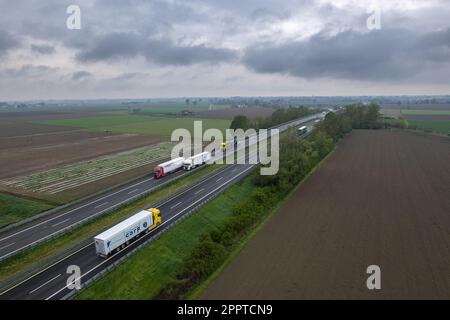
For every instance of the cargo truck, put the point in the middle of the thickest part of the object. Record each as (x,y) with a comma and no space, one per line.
(303,130)
(167,167)
(122,234)
(197,160)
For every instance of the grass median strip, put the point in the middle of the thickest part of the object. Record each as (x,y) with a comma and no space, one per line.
(14,209)
(23,261)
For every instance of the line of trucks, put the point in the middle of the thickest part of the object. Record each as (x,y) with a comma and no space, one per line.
(188,164)
(121,235)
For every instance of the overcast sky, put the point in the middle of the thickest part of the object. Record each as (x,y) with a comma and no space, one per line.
(173,48)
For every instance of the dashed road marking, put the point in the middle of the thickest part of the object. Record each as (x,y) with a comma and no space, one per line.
(61,222)
(31,292)
(176,205)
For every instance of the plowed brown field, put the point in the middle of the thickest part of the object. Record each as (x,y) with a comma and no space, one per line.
(383,198)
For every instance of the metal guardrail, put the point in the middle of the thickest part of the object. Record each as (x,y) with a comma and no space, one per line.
(110,268)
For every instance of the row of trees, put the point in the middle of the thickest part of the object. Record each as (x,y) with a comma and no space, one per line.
(279,116)
(364,116)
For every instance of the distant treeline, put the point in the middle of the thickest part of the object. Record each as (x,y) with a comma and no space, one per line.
(356,116)
(279,116)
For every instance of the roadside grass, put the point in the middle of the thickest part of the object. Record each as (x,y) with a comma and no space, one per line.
(144,274)
(14,209)
(139,124)
(439,126)
(23,261)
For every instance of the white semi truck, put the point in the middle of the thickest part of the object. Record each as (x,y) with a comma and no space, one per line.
(168,167)
(197,160)
(122,234)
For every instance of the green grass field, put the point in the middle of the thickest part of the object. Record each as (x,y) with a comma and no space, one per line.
(433,125)
(143,274)
(13,209)
(142,124)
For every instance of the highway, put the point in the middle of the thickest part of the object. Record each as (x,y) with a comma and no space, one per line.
(50,283)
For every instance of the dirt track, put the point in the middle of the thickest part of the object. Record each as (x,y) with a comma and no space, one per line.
(382,198)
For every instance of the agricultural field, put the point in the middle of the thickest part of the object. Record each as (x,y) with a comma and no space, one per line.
(381,198)
(159,127)
(436,120)
(27,147)
(75,175)
(13,209)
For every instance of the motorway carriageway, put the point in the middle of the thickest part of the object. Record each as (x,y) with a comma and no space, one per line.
(50,283)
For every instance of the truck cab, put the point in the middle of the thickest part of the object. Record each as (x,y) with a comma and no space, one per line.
(156,217)
(158,172)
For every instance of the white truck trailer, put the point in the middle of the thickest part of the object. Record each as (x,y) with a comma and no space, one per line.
(122,234)
(168,167)
(197,160)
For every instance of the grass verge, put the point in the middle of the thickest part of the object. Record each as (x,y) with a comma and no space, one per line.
(25,260)
(14,209)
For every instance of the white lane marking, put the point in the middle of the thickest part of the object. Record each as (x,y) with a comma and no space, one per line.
(133,191)
(176,205)
(101,205)
(219,179)
(61,222)
(199,191)
(31,292)
(160,226)
(8,245)
(74,209)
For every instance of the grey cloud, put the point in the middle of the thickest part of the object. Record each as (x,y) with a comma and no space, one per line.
(111,46)
(378,55)
(31,71)
(43,49)
(7,42)
(164,52)
(81,74)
